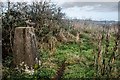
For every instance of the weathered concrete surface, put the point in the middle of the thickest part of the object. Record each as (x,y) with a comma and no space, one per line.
(25,47)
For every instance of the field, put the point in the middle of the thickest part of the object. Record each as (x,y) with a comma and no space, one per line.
(92,56)
(80,58)
(63,48)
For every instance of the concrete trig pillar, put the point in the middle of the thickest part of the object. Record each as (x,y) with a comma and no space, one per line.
(25,47)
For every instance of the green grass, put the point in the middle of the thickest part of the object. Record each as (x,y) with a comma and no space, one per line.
(80,59)
(78,55)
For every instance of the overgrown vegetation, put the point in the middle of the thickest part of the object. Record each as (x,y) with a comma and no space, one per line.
(65,52)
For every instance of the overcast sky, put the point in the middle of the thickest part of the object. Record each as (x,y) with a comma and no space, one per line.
(90,9)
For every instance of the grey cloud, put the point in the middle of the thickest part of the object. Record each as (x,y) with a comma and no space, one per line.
(97,6)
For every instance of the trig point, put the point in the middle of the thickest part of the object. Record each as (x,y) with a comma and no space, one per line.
(25,47)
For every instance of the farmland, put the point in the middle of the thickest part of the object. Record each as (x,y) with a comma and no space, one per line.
(62,48)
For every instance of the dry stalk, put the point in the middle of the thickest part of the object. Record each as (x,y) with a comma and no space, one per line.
(114,54)
(99,54)
(105,55)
